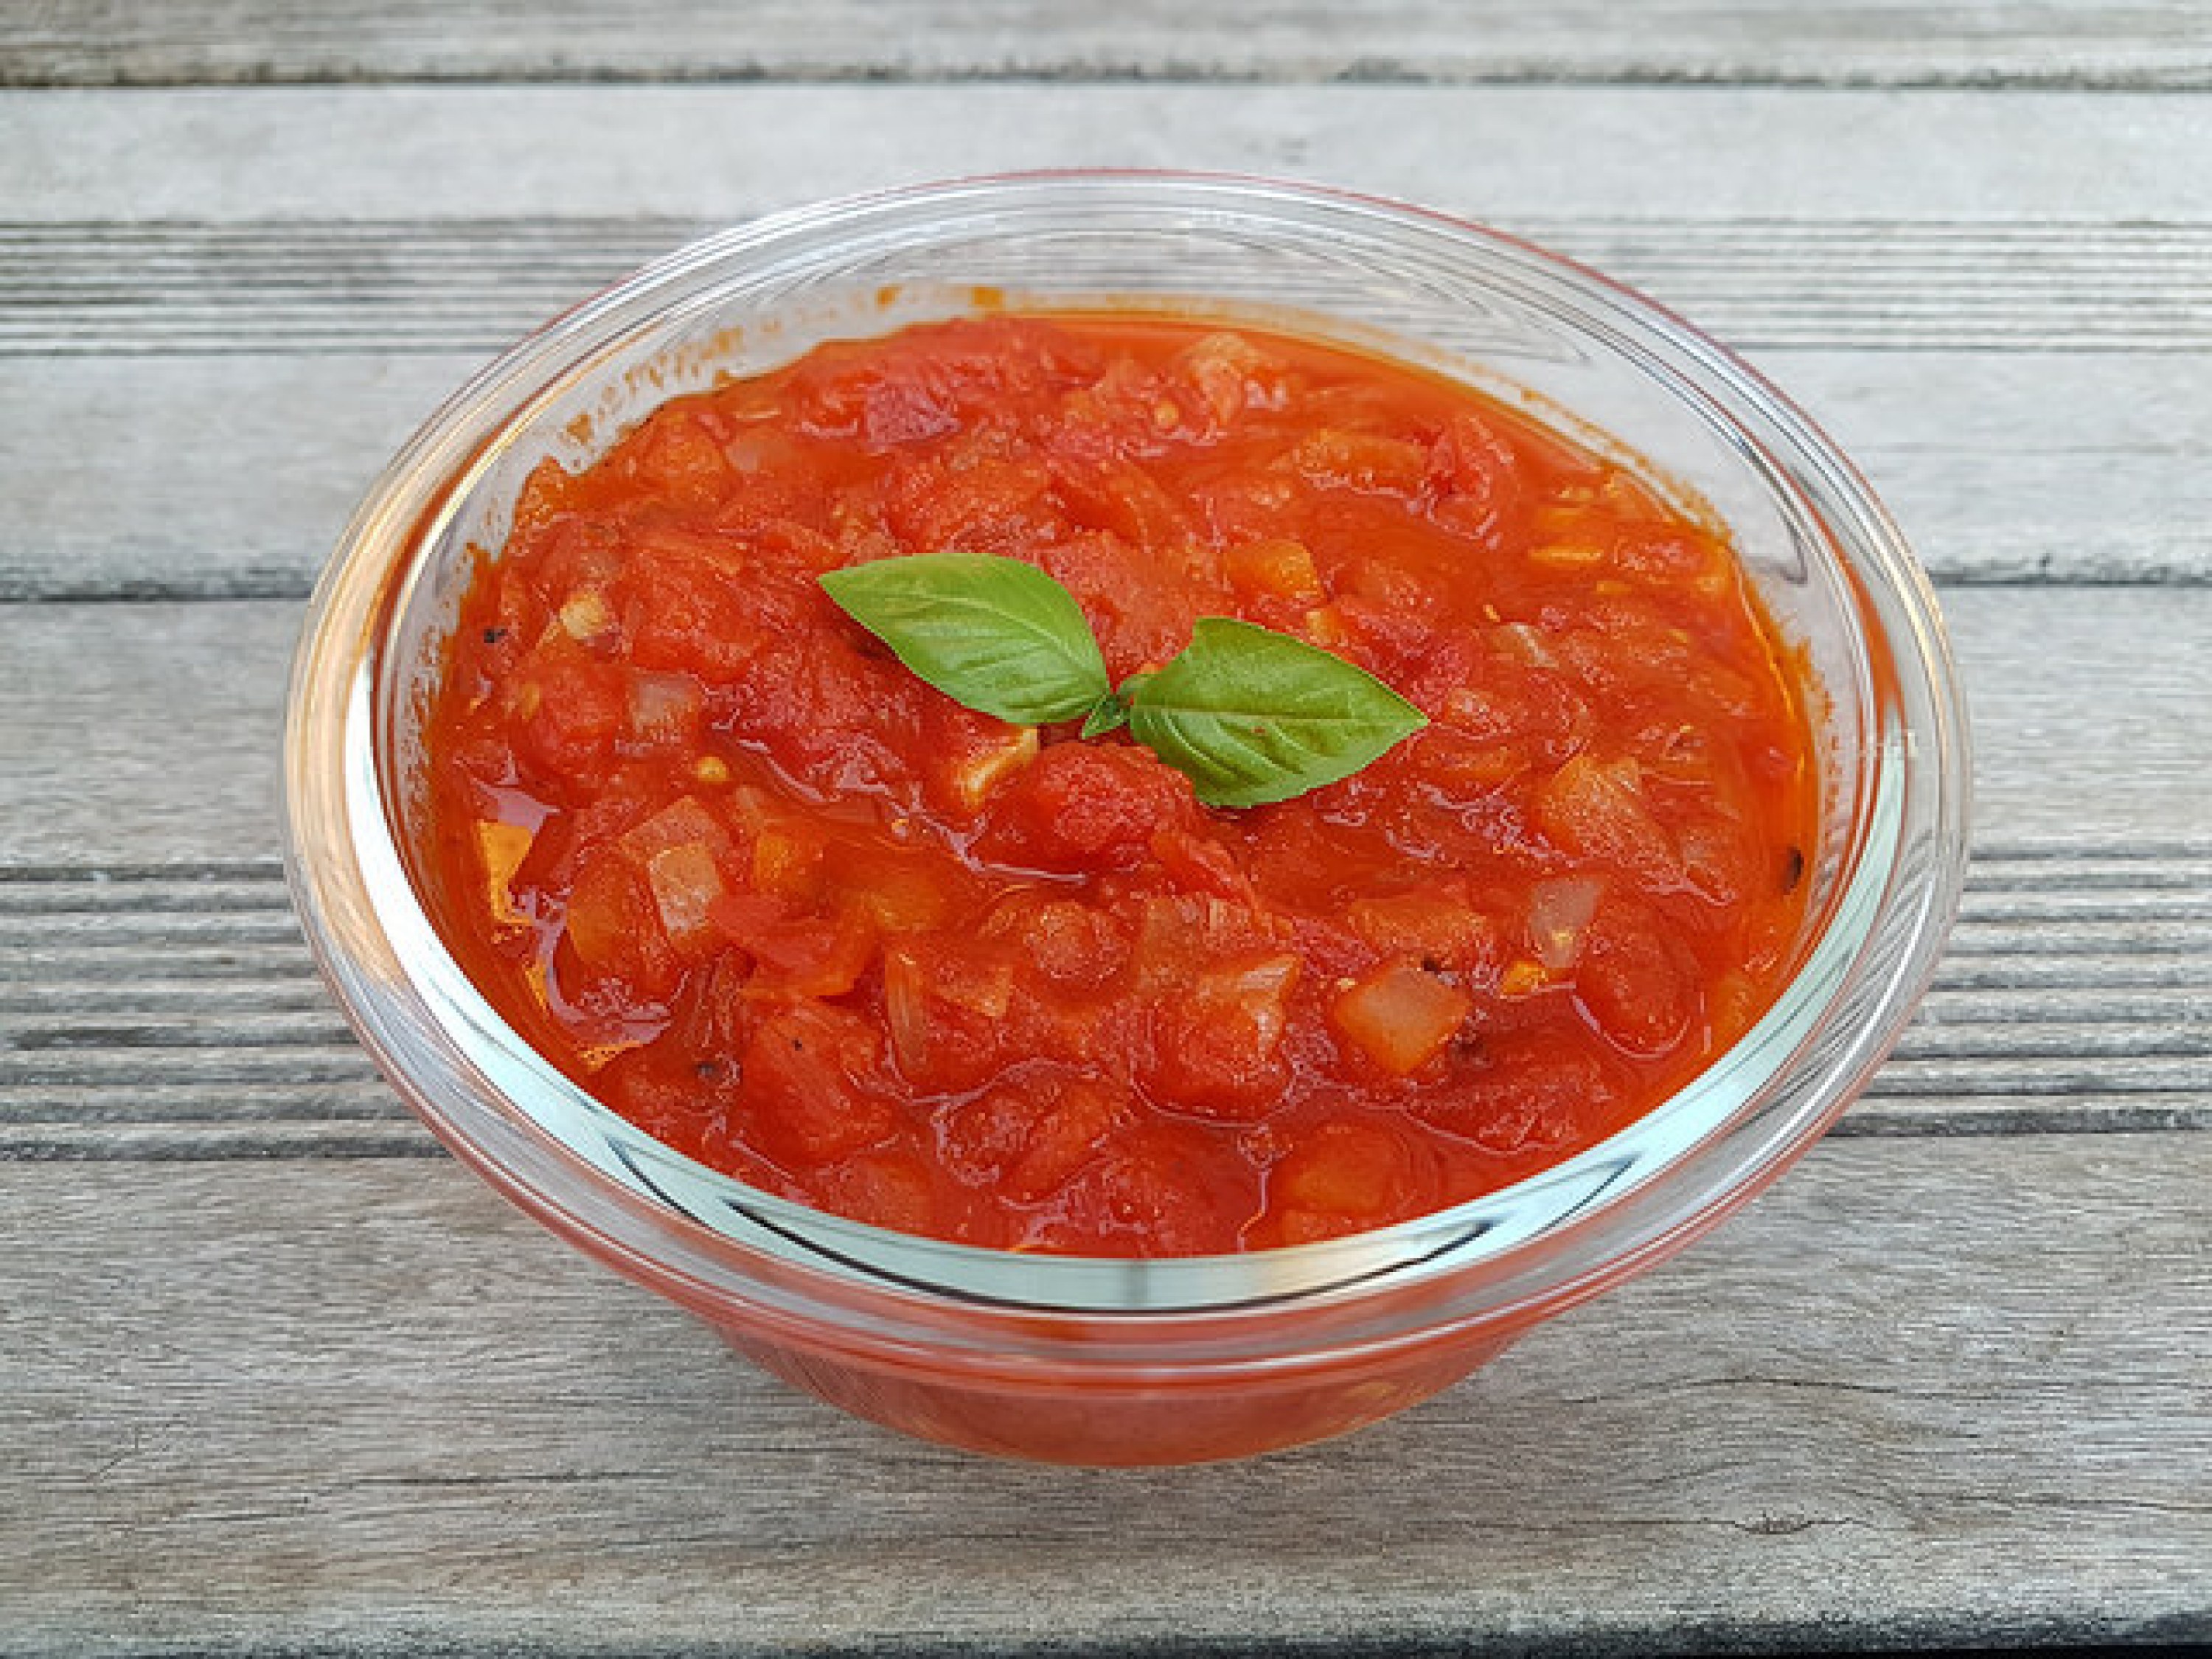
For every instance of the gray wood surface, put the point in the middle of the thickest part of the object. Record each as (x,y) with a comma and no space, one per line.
(2101,43)
(720,153)
(2011,335)
(276,1376)
(2003,466)
(362,1403)
(1881,283)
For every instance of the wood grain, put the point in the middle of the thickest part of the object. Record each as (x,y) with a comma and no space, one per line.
(2102,43)
(347,254)
(721,154)
(1925,1393)
(2049,466)
(413,286)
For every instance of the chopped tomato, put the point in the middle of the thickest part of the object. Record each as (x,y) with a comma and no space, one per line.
(738,870)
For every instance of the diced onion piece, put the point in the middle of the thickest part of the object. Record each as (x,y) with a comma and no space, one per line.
(685,884)
(905,989)
(971,775)
(1260,990)
(664,708)
(584,615)
(1560,912)
(683,820)
(1399,1017)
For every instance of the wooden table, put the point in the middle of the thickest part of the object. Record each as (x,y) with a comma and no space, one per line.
(275,1375)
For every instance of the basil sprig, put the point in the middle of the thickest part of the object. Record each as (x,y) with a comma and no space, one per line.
(1248,715)
(997,634)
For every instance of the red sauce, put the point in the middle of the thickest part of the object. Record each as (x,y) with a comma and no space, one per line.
(733,867)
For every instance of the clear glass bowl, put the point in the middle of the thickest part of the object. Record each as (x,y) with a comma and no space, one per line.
(1116,1361)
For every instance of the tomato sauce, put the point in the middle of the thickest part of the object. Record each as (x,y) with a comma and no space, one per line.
(731,866)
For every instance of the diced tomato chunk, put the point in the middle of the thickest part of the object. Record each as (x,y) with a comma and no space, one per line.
(1438,929)
(1074,947)
(1216,1048)
(577,709)
(1160,1189)
(813,1084)
(1524,1093)
(811,956)
(1088,806)
(1597,811)
(613,926)
(1361,460)
(949,1004)
(1344,1176)
(1276,566)
(1029,1135)
(1636,981)
(887,1187)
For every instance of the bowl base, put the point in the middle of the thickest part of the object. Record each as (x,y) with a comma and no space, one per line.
(1122,1423)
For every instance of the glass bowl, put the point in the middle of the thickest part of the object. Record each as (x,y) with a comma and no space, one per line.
(1099,1361)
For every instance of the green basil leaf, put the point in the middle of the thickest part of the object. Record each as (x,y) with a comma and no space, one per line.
(1111,711)
(1251,715)
(997,634)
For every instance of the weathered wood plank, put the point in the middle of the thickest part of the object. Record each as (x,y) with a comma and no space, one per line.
(1921,1393)
(2057,466)
(427,285)
(2105,43)
(71,427)
(142,732)
(722,154)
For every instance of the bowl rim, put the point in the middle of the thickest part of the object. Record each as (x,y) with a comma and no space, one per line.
(1506,1251)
